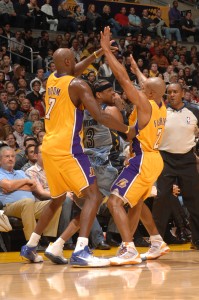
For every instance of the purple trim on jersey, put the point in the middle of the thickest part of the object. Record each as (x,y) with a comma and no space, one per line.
(60,75)
(136,143)
(86,168)
(76,144)
(136,128)
(77,150)
(127,176)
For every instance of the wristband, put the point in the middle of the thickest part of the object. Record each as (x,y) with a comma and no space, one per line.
(95,54)
(127,131)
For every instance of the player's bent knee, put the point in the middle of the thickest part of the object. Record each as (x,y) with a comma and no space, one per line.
(114,202)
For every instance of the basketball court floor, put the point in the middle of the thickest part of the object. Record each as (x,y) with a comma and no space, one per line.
(173,276)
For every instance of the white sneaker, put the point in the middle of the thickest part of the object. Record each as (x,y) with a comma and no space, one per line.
(156,250)
(126,255)
(84,258)
(55,254)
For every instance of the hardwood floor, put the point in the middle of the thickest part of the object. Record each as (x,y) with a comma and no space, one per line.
(173,276)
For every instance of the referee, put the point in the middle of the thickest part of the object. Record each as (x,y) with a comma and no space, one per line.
(179,163)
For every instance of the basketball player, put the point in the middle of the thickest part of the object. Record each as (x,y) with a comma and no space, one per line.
(135,182)
(67,167)
(100,144)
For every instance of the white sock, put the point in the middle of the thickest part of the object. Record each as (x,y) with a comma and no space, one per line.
(156,239)
(34,240)
(130,244)
(81,243)
(60,242)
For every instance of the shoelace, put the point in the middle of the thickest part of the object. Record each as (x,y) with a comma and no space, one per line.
(152,247)
(122,250)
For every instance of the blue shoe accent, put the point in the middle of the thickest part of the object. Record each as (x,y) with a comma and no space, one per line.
(84,258)
(80,258)
(30,253)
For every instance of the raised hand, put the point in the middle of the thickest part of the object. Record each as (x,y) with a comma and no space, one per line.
(134,66)
(105,39)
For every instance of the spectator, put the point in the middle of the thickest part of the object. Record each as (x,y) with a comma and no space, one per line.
(20,95)
(160,59)
(19,133)
(188,78)
(20,72)
(6,62)
(38,16)
(36,127)
(5,128)
(43,44)
(19,201)
(194,95)
(13,112)
(168,73)
(33,116)
(7,12)
(188,28)
(104,69)
(21,159)
(35,97)
(148,25)
(51,69)
(80,18)
(25,108)
(93,19)
(163,29)
(182,64)
(67,21)
(123,21)
(174,16)
(135,22)
(76,49)
(2,80)
(153,72)
(4,100)
(56,44)
(108,20)
(50,19)
(12,142)
(31,158)
(23,16)
(194,65)
(40,136)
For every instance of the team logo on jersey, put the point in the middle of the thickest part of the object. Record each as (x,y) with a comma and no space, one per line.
(92,172)
(122,183)
(188,120)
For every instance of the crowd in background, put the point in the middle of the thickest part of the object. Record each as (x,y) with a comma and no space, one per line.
(156,47)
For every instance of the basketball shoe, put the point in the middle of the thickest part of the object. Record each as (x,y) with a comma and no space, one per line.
(156,250)
(55,254)
(84,258)
(30,253)
(126,255)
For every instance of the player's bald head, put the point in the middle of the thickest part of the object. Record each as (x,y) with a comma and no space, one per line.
(156,85)
(62,58)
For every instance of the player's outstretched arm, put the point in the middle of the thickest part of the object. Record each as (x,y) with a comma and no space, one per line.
(82,65)
(80,92)
(134,68)
(118,69)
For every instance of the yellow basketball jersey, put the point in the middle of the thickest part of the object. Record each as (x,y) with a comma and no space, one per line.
(63,121)
(149,138)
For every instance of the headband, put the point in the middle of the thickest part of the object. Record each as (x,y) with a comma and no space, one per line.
(103,87)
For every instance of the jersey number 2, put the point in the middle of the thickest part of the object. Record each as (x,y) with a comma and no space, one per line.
(51,103)
(159,133)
